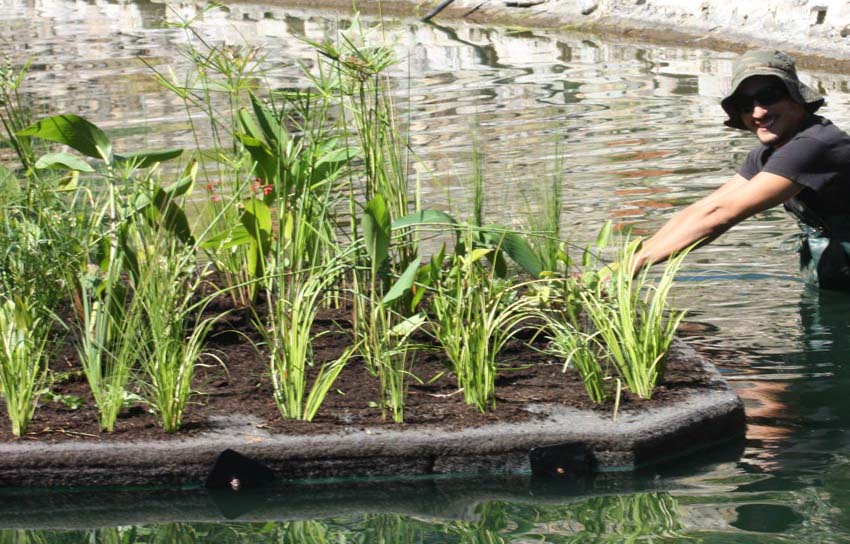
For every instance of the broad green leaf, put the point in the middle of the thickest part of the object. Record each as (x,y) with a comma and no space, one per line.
(266,165)
(255,258)
(73,131)
(336,154)
(69,182)
(604,235)
(63,160)
(249,126)
(235,236)
(145,159)
(273,132)
(184,184)
(331,162)
(404,283)
(518,248)
(479,253)
(172,217)
(424,217)
(257,218)
(376,230)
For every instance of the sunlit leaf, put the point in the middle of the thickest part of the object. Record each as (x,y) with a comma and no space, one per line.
(73,131)
(376,230)
(145,159)
(64,161)
(604,235)
(404,283)
(424,217)
(518,248)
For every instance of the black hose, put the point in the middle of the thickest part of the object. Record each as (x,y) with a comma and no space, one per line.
(440,7)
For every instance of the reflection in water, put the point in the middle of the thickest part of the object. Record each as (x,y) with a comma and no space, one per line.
(638,134)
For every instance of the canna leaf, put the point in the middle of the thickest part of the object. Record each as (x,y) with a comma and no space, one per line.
(376,230)
(73,131)
(145,159)
(404,284)
(257,218)
(604,235)
(236,236)
(266,165)
(63,160)
(424,217)
(518,248)
(271,127)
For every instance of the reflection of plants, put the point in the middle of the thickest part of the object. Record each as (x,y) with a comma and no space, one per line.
(24,331)
(627,518)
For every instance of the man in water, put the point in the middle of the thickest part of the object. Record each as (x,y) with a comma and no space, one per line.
(802,162)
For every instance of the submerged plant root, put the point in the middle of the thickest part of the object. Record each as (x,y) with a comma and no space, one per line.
(244,388)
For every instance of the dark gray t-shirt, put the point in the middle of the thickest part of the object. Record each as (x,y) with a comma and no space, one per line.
(817,157)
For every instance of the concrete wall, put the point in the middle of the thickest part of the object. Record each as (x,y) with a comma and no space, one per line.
(816,28)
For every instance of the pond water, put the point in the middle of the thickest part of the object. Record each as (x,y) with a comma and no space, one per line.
(638,132)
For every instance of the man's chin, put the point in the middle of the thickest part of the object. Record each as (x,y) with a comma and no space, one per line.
(767,138)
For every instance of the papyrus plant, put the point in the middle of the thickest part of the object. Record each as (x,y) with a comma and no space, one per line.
(634,321)
(24,331)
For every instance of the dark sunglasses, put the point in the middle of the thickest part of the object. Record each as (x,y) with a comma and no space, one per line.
(767,96)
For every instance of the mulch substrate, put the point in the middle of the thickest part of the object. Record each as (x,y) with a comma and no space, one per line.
(234,379)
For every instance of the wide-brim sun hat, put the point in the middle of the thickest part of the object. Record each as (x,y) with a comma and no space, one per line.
(768,63)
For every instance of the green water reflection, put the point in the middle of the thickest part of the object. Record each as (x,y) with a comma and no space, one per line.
(623,518)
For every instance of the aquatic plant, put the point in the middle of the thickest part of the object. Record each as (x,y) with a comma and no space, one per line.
(174,330)
(24,333)
(381,329)
(14,115)
(293,302)
(475,315)
(579,351)
(633,319)
(108,345)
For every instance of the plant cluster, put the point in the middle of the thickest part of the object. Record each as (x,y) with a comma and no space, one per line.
(292,201)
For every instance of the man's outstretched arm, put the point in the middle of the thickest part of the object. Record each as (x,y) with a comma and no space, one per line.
(711,216)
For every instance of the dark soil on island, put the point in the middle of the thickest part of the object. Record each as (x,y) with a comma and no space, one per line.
(234,379)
